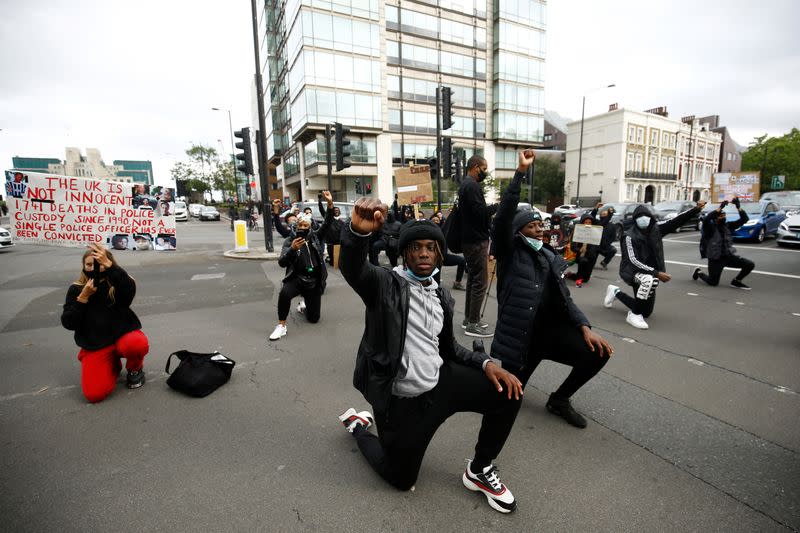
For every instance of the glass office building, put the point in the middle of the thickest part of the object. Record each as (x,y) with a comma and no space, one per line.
(374,66)
(138,171)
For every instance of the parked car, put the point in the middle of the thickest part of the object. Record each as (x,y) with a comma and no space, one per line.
(5,239)
(789,201)
(670,209)
(345,207)
(181,213)
(194,209)
(764,219)
(789,231)
(525,206)
(567,211)
(209,212)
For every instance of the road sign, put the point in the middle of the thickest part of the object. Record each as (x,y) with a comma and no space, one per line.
(778,182)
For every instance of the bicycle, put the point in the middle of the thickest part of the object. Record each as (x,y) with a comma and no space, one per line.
(252,224)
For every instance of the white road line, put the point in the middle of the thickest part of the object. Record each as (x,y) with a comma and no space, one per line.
(692,294)
(741,246)
(216,275)
(762,272)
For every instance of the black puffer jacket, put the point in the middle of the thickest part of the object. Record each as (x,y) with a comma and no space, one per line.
(642,250)
(289,256)
(519,292)
(716,241)
(386,296)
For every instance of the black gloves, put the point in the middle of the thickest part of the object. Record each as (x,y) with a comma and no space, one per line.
(723,204)
(735,202)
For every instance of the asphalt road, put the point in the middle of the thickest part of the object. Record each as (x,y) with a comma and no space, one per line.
(693,424)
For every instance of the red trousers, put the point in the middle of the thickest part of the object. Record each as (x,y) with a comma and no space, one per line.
(100,368)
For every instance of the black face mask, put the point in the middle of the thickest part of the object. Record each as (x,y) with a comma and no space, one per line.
(482,175)
(302,233)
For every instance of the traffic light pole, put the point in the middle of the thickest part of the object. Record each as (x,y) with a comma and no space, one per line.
(262,127)
(328,155)
(438,149)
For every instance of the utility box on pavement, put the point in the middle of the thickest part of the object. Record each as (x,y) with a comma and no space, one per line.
(240,236)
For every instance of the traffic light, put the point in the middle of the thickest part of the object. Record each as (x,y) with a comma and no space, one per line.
(446,161)
(459,166)
(358,186)
(447,108)
(341,143)
(246,156)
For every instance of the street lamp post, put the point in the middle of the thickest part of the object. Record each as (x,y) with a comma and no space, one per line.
(233,152)
(580,147)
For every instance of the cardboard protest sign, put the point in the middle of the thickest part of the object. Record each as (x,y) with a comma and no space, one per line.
(413,185)
(745,185)
(587,234)
(67,211)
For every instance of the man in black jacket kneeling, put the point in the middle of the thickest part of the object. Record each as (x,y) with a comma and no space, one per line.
(409,366)
(536,317)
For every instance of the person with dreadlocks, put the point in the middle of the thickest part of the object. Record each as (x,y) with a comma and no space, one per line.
(409,366)
(642,266)
(306,275)
(98,310)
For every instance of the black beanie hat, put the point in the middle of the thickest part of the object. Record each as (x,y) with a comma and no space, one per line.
(523,218)
(415,230)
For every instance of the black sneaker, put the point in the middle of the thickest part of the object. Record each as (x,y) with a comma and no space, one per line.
(739,285)
(487,482)
(603,265)
(696,273)
(563,408)
(135,379)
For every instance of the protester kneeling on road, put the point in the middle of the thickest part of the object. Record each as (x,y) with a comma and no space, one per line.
(716,244)
(306,274)
(585,256)
(409,366)
(642,266)
(537,318)
(98,310)
(607,248)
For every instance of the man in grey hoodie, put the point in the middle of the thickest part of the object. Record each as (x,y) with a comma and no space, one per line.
(409,366)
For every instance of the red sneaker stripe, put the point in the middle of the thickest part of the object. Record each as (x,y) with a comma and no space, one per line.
(488,489)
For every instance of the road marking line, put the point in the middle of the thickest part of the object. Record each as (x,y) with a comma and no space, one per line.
(784,390)
(796,314)
(739,303)
(627,339)
(216,275)
(740,246)
(692,294)
(778,274)
(696,362)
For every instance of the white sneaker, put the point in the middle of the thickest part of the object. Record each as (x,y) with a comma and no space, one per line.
(636,321)
(301,307)
(488,482)
(280,331)
(350,419)
(611,294)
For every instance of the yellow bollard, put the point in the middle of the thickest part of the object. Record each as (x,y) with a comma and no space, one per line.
(240,236)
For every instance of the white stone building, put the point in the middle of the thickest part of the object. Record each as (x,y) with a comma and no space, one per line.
(635,156)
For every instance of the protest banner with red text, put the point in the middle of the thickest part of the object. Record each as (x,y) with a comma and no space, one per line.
(69,211)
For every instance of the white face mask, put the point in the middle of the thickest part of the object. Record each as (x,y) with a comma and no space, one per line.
(643,222)
(536,244)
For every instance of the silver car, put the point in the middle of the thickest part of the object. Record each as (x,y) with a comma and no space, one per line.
(789,231)
(5,239)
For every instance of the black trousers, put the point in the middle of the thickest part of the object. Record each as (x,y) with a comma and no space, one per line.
(405,431)
(716,266)
(456,261)
(375,250)
(608,254)
(292,288)
(563,343)
(643,300)
(586,266)
(477,258)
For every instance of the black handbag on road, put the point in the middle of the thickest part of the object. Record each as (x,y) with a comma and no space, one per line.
(199,374)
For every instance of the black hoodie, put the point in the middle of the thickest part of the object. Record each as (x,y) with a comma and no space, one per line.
(642,250)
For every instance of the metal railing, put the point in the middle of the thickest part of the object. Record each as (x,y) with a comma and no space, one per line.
(650,175)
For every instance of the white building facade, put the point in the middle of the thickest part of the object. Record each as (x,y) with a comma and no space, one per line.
(635,156)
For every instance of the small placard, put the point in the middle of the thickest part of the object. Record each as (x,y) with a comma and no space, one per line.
(587,234)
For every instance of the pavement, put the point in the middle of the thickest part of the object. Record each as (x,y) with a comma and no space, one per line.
(692,424)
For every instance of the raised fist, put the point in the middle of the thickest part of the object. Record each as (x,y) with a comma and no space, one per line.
(368,215)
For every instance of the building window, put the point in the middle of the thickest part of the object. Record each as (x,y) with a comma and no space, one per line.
(638,162)
(640,135)
(652,164)
(629,163)
(631,134)
(654,137)
(665,139)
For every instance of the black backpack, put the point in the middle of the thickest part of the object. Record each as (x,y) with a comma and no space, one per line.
(199,374)
(452,230)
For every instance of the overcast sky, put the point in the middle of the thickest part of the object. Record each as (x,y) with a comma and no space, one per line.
(138,79)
